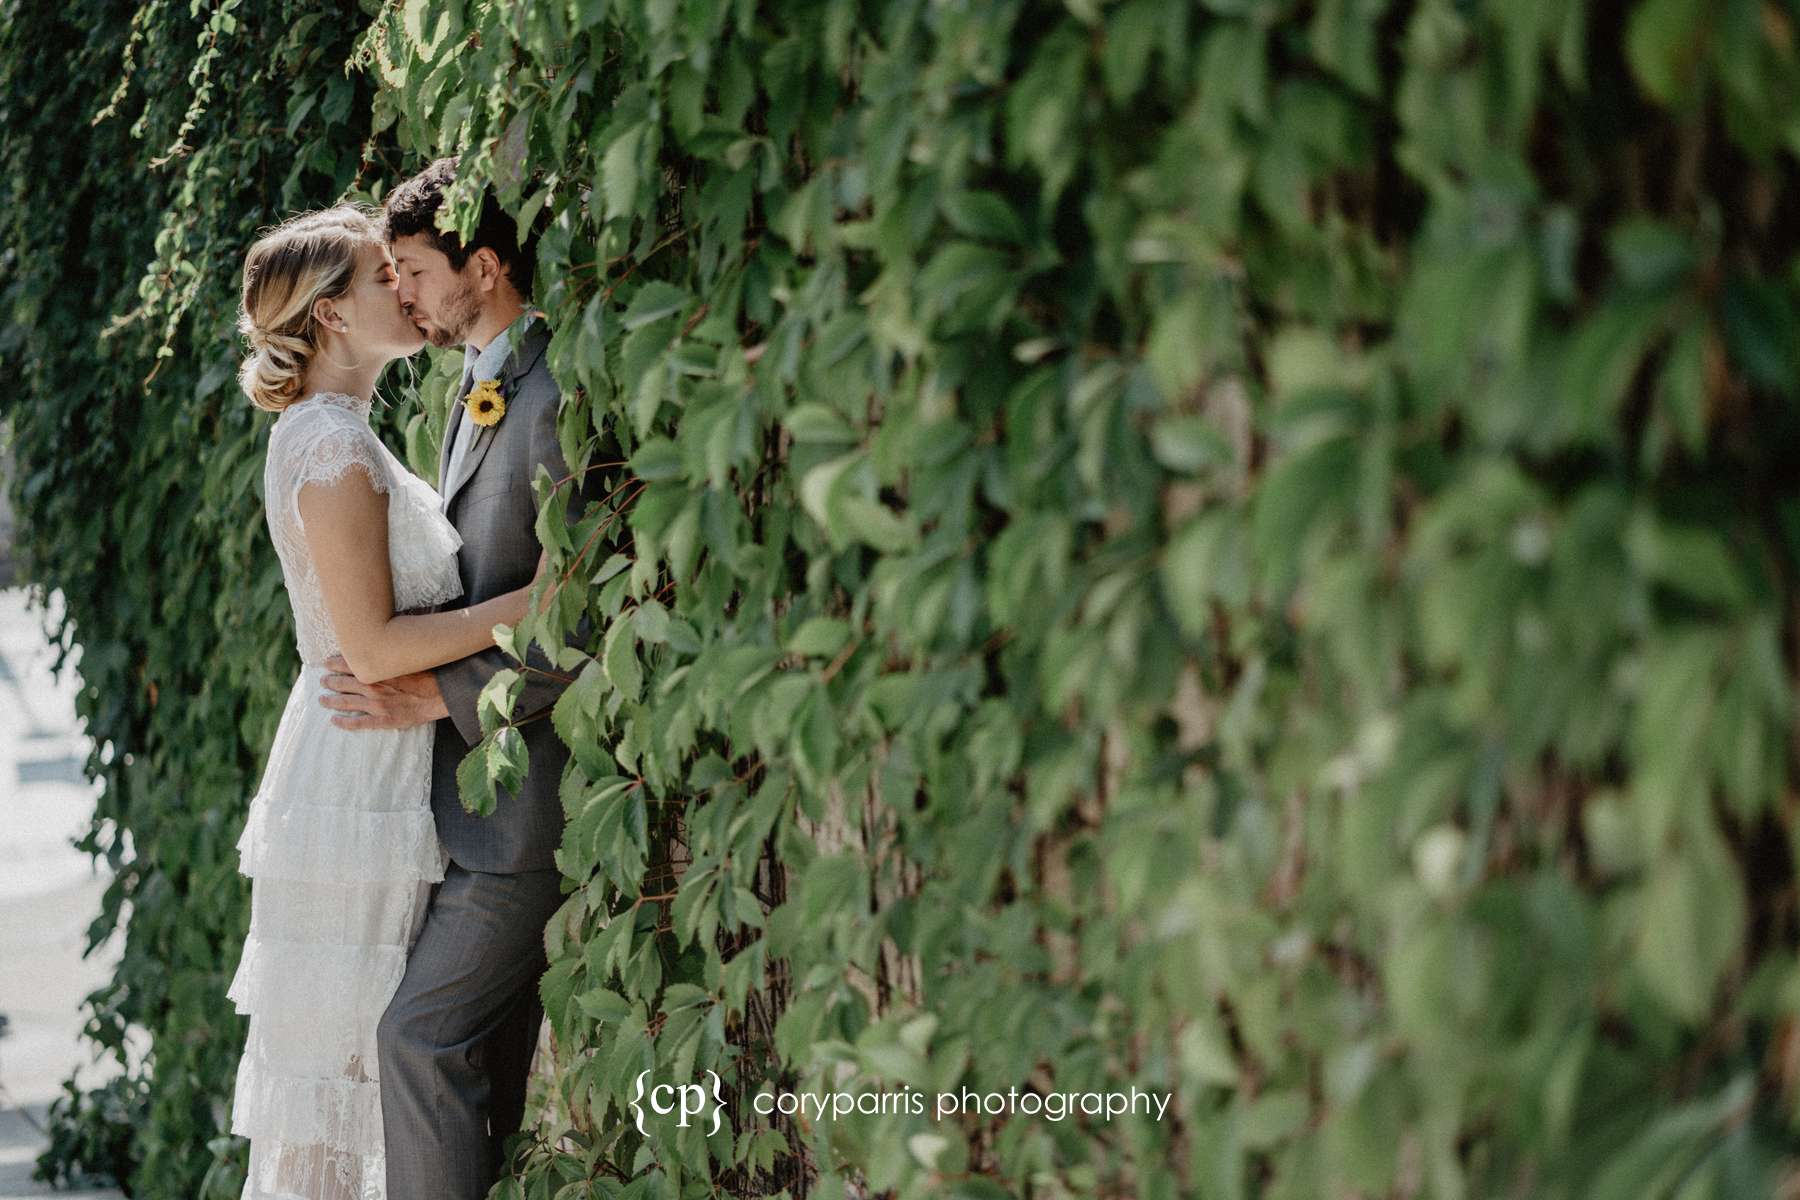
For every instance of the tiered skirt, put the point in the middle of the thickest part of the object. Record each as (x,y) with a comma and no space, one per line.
(342,851)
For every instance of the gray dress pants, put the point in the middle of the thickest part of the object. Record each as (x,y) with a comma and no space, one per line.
(457,1038)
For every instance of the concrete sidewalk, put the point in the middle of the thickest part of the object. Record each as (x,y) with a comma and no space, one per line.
(49,894)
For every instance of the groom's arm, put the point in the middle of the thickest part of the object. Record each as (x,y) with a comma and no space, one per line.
(460,682)
(449,691)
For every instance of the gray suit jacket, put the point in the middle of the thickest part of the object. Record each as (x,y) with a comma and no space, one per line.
(493,508)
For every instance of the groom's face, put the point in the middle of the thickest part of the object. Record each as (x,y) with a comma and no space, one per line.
(442,301)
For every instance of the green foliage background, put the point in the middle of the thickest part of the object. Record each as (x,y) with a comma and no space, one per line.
(1243,548)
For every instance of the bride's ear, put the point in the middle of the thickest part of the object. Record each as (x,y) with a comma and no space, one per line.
(326,314)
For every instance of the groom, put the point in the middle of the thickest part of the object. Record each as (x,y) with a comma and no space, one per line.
(456,1042)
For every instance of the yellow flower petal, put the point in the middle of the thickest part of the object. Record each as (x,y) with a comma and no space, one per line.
(486,404)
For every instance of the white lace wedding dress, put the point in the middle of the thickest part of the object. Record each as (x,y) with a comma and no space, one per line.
(340,844)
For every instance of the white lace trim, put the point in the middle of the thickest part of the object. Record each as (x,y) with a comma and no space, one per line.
(337,986)
(313,1136)
(316,1172)
(340,845)
(343,1113)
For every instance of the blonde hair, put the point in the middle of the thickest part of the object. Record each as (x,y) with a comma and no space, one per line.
(305,259)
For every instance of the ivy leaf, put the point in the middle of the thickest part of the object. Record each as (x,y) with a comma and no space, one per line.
(816,740)
(819,487)
(1690,925)
(494,703)
(507,758)
(1650,255)
(604,1005)
(654,301)
(984,216)
(620,660)
(816,424)
(820,637)
(614,564)
(1188,444)
(651,622)
(1761,331)
(619,173)
(474,782)
(1665,44)
(834,883)
(657,459)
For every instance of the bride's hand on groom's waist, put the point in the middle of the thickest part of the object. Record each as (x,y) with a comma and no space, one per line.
(400,703)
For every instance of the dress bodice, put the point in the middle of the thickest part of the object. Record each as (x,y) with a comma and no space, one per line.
(316,440)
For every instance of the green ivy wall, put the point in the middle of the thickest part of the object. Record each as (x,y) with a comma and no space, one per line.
(1241,548)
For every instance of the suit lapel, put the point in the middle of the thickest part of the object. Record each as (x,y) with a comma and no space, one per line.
(522,359)
(484,437)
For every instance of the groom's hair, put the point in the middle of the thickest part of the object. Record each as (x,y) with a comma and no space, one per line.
(413,206)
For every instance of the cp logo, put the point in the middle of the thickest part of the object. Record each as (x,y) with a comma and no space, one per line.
(688,1100)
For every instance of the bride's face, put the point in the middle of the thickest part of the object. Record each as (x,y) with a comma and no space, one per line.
(371,308)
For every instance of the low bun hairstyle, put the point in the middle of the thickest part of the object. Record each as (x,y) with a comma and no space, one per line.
(303,260)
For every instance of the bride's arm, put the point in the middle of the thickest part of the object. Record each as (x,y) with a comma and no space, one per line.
(346,528)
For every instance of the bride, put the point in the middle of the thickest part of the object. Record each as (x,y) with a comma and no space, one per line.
(340,840)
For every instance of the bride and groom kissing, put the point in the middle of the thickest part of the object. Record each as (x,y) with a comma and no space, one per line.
(396,941)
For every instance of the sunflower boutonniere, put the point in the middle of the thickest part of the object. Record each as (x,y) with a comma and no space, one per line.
(486,404)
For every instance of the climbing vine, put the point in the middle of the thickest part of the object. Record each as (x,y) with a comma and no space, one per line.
(1243,550)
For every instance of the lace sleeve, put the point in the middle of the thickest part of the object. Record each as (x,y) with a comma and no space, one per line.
(319,448)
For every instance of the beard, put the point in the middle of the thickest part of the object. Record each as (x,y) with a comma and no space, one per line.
(458,313)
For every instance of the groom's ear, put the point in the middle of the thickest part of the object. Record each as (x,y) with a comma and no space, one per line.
(488,269)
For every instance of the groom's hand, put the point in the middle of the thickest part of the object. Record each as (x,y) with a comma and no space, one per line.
(400,703)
